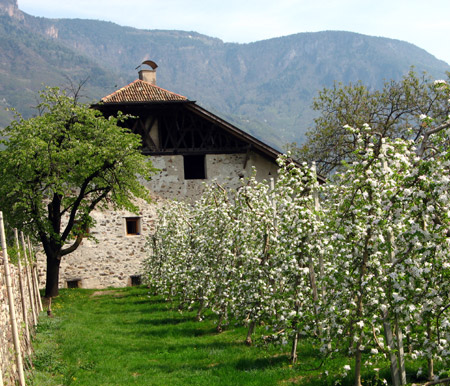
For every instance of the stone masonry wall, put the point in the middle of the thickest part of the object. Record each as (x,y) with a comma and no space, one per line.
(226,169)
(114,257)
(8,363)
(117,257)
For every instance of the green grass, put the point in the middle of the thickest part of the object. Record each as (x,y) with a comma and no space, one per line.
(124,337)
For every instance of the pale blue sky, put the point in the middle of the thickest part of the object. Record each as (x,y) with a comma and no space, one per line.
(423,23)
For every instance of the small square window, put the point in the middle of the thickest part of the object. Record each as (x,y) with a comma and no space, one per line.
(132,225)
(194,167)
(74,283)
(135,280)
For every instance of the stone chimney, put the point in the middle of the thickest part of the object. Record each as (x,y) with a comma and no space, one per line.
(148,75)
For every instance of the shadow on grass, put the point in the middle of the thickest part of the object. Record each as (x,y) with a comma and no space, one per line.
(209,363)
(209,346)
(178,329)
(248,364)
(165,321)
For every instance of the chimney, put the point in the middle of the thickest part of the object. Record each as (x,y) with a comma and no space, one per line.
(148,75)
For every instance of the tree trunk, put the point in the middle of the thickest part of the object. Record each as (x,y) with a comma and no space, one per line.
(294,355)
(395,377)
(198,318)
(222,319)
(248,340)
(430,358)
(52,281)
(358,359)
(400,353)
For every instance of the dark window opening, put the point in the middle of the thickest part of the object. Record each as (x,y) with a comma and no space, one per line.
(194,167)
(132,225)
(135,280)
(75,283)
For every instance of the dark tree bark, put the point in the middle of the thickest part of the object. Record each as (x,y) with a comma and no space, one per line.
(52,277)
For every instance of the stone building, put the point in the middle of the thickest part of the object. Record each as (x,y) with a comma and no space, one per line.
(190,146)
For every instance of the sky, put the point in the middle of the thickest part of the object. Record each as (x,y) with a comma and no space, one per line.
(425,24)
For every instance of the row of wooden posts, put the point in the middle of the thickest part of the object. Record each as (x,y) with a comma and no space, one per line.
(30,303)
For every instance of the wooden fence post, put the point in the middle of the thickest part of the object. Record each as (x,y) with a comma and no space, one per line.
(12,310)
(36,286)
(30,286)
(22,293)
(35,276)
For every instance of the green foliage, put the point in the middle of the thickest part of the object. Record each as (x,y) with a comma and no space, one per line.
(59,166)
(73,152)
(394,111)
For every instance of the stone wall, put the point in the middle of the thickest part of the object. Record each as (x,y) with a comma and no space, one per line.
(8,363)
(115,258)
(226,169)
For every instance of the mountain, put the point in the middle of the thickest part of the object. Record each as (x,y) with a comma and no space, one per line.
(264,87)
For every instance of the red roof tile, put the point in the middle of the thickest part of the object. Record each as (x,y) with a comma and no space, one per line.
(141,91)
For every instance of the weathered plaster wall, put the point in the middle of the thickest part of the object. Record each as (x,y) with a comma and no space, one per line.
(226,169)
(116,257)
(7,353)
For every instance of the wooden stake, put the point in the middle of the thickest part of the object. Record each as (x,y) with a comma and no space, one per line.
(36,286)
(30,287)
(22,293)
(317,208)
(399,334)
(12,309)
(39,306)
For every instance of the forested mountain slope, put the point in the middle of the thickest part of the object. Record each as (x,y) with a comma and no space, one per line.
(264,87)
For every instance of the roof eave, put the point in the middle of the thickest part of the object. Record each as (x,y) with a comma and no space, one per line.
(256,143)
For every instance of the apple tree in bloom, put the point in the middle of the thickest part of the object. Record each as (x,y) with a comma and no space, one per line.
(388,221)
(297,248)
(365,271)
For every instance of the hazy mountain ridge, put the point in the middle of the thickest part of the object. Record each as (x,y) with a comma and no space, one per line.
(264,87)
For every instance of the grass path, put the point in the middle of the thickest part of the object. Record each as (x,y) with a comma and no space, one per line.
(124,337)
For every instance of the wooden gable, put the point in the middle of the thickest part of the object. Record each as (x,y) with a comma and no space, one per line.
(179,130)
(172,124)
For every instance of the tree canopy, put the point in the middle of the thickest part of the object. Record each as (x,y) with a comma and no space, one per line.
(395,111)
(59,166)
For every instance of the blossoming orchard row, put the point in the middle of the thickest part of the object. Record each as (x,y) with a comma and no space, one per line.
(361,264)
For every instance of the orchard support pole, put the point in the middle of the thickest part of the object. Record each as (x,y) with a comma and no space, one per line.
(398,330)
(12,309)
(321,264)
(39,306)
(317,209)
(20,255)
(30,286)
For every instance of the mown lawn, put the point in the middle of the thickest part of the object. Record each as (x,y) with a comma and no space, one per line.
(124,337)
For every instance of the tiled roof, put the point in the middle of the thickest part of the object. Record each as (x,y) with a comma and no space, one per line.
(141,91)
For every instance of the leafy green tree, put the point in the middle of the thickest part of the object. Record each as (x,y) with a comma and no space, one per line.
(395,111)
(57,167)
